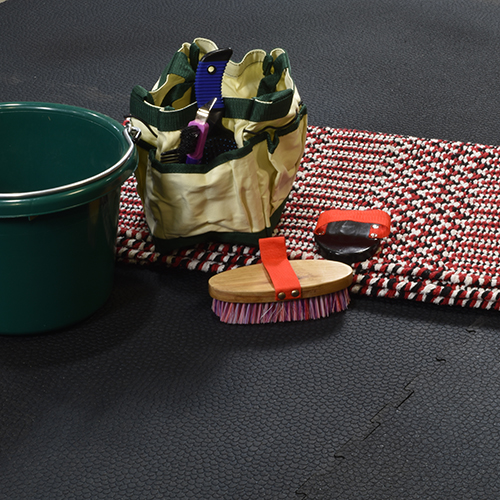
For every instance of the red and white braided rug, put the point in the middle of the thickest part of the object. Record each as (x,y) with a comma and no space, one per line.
(443,199)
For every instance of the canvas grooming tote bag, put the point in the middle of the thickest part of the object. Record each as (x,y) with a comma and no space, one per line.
(255,135)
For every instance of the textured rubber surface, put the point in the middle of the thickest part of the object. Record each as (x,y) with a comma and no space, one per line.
(153,397)
(440,440)
(422,68)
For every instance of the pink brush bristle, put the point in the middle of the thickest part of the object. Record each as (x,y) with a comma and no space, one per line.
(235,313)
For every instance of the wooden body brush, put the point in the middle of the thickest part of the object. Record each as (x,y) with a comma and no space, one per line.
(280,290)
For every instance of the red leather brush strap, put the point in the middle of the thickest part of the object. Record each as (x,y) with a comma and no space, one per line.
(380,221)
(275,261)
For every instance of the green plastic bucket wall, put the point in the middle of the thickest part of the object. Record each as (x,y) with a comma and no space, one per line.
(61,170)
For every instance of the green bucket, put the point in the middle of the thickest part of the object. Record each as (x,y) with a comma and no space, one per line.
(61,170)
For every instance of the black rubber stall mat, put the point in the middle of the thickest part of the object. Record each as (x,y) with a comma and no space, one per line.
(440,442)
(176,404)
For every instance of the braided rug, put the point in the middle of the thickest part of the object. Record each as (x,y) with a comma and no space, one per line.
(443,199)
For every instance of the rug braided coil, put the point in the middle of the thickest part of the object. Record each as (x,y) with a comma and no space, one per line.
(442,197)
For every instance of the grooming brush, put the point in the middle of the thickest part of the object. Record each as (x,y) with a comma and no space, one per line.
(217,145)
(279,290)
(351,236)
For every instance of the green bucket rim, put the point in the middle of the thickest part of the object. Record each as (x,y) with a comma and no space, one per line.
(58,198)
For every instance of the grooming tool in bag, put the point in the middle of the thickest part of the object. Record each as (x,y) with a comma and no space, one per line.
(201,123)
(235,192)
(208,82)
(280,290)
(188,141)
(351,235)
(209,73)
(208,88)
(193,138)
